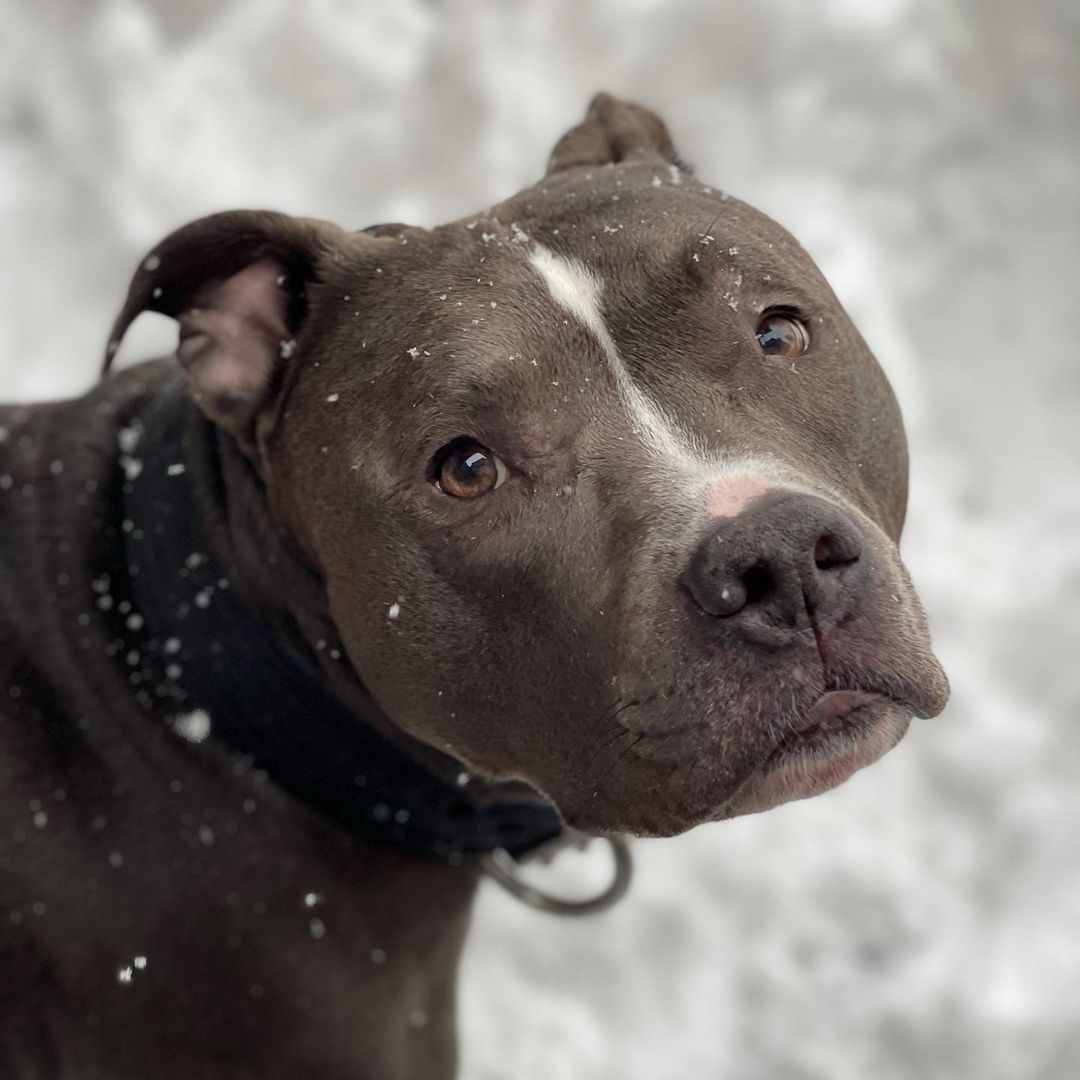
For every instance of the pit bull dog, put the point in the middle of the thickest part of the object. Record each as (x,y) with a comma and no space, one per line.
(580,512)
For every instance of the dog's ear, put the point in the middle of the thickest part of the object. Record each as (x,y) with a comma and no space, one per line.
(236,282)
(613,130)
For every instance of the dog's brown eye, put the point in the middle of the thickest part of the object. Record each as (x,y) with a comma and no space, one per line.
(465,469)
(781,333)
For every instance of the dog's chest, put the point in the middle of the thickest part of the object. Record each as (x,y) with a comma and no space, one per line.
(231,938)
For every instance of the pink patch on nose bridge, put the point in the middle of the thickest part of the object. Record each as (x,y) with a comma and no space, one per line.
(730,496)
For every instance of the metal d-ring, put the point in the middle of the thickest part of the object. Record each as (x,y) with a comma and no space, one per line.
(501,867)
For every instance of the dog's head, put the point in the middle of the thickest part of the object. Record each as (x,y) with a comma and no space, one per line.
(604,485)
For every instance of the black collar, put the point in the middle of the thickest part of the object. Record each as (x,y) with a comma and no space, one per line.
(207,651)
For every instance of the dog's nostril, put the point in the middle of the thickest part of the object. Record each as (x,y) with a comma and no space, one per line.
(758,581)
(832,551)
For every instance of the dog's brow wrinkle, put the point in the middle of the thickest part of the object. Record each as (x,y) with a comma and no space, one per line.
(576,289)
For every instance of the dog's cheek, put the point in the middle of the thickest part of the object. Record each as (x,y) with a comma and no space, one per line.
(439,663)
(430,649)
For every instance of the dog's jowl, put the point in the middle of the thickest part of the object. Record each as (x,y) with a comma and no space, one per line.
(580,512)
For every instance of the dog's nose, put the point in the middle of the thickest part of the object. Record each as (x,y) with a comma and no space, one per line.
(779,562)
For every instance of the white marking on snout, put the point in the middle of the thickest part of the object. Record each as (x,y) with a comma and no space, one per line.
(729,495)
(576,289)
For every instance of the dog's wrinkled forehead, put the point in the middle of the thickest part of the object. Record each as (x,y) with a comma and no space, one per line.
(630,258)
(618,302)
(643,233)
(600,246)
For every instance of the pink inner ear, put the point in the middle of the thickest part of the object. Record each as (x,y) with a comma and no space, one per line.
(231,343)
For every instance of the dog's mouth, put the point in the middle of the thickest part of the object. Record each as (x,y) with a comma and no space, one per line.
(835,715)
(844,731)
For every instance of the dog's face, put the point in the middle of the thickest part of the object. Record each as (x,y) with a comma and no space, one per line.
(604,485)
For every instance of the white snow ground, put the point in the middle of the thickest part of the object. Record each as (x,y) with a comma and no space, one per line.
(923,920)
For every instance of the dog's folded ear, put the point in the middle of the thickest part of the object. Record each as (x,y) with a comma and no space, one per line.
(613,130)
(236,282)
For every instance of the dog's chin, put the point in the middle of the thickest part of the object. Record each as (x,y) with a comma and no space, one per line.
(845,731)
(842,732)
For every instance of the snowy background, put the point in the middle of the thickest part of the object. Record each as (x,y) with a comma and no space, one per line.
(923,920)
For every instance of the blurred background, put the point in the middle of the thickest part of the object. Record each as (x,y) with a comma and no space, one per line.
(924,919)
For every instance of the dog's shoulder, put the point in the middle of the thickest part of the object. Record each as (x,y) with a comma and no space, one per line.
(60,462)
(62,465)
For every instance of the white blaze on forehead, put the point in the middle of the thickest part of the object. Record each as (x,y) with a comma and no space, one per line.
(576,289)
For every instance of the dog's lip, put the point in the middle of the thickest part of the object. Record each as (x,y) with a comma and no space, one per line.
(841,733)
(832,709)
(835,712)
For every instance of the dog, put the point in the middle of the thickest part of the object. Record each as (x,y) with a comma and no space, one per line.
(581,512)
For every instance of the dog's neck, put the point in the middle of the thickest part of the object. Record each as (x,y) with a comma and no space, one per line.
(233,624)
